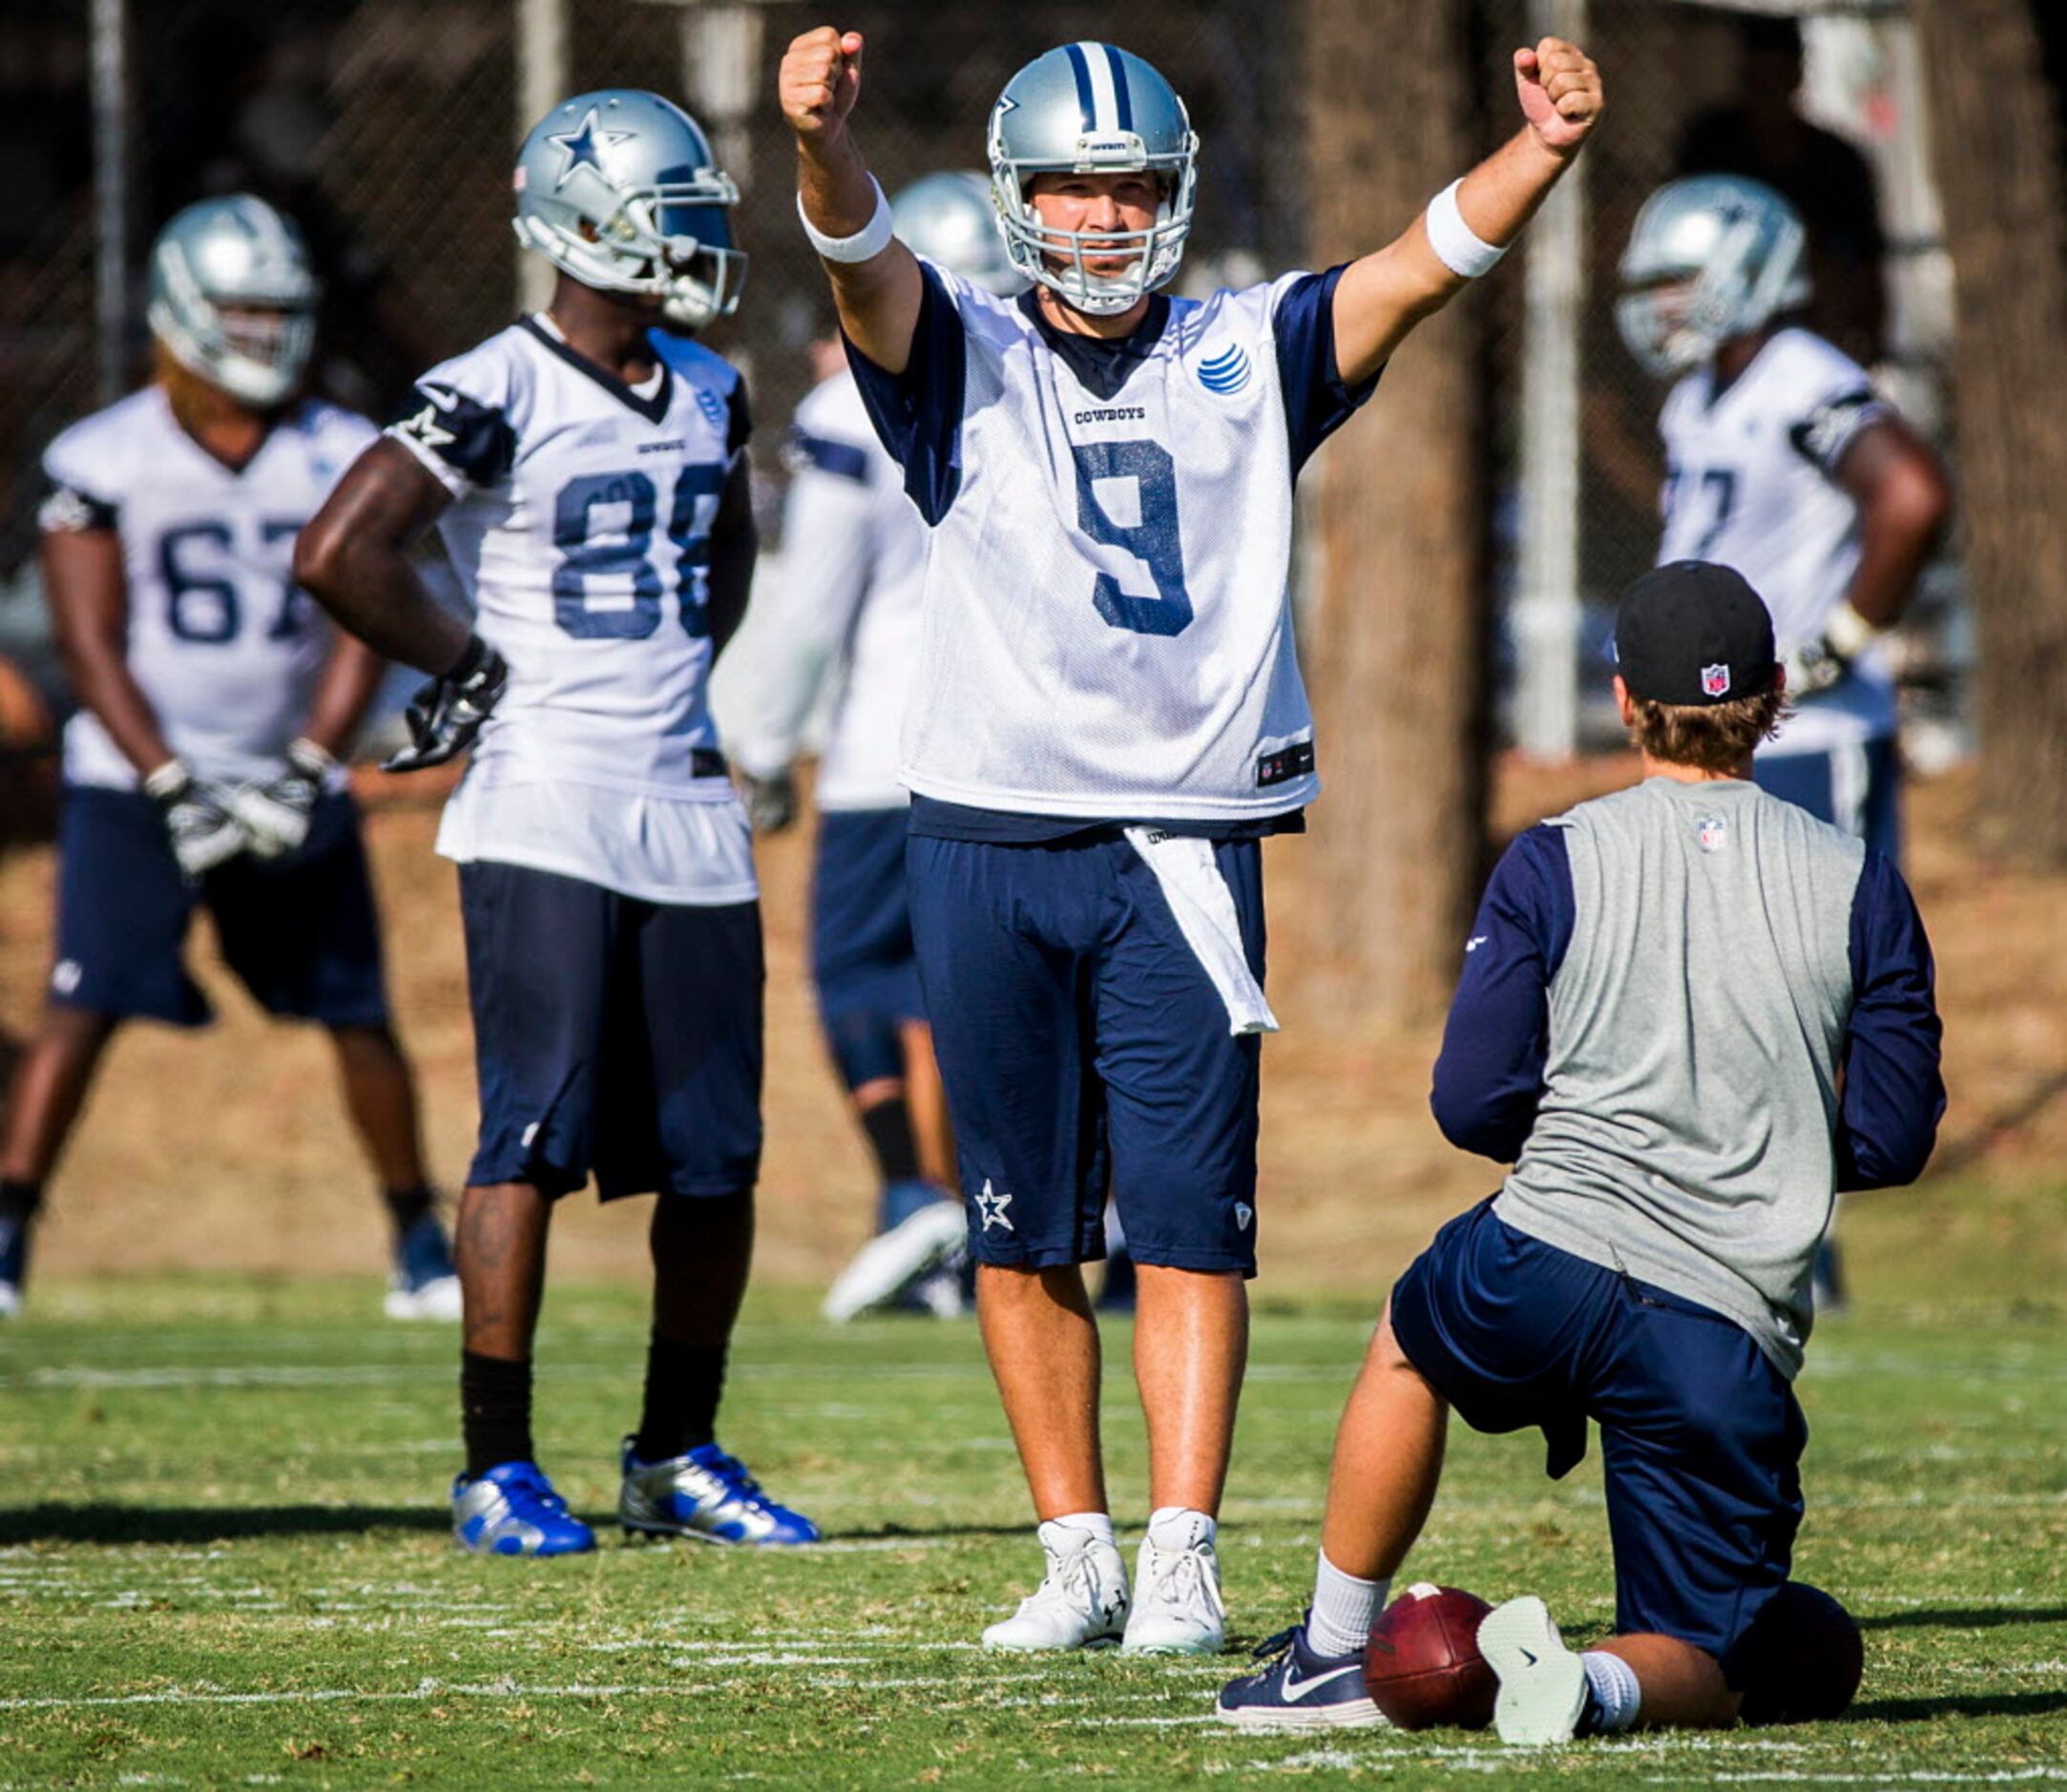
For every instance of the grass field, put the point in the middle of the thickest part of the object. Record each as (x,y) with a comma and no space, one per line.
(224,1562)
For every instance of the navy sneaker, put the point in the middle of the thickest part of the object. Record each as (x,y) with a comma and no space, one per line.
(512,1510)
(424,1283)
(704,1494)
(1300,1690)
(14,1263)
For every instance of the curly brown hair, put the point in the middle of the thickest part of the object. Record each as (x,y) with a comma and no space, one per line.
(1715,737)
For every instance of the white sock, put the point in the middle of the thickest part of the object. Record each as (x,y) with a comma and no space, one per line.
(1614,1683)
(1344,1609)
(1098,1526)
(1179,1527)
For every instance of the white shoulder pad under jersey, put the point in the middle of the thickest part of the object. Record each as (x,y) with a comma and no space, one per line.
(844,605)
(581,531)
(1107,624)
(224,646)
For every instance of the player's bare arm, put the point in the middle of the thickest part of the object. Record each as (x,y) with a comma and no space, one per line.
(354,559)
(89,599)
(877,298)
(1904,501)
(734,541)
(1383,294)
(351,676)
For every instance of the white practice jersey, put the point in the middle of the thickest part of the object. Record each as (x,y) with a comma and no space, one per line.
(847,606)
(1108,628)
(1751,482)
(581,531)
(221,642)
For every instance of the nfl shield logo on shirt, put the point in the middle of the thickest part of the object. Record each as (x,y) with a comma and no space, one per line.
(1713,832)
(1715,681)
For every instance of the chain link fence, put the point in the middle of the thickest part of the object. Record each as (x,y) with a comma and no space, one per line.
(387,126)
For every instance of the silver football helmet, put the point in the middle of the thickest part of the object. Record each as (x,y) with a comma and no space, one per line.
(950,219)
(1710,257)
(233,298)
(616,188)
(1092,109)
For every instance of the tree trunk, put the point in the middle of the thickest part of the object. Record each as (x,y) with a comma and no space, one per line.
(1396,643)
(1996,150)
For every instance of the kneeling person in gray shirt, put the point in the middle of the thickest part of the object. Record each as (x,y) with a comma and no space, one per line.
(1690,1013)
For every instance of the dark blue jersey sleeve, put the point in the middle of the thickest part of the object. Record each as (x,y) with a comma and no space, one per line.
(1488,1079)
(476,440)
(917,413)
(1893,1093)
(1316,403)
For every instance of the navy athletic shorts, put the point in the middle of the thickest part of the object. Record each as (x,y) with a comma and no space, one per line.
(1700,1437)
(1856,787)
(611,1035)
(1084,1048)
(301,931)
(862,959)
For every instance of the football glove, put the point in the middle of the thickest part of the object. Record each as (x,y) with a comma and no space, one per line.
(1827,661)
(203,829)
(276,814)
(446,714)
(771,801)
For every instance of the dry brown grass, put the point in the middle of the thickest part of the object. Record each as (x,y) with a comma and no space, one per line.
(228,1150)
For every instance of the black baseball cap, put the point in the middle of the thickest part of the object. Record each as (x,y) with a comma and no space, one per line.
(1694,632)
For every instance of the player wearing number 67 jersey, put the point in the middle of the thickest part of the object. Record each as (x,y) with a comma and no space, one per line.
(588,473)
(1107,715)
(200,769)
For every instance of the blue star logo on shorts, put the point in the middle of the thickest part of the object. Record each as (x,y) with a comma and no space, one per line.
(991,1205)
(584,147)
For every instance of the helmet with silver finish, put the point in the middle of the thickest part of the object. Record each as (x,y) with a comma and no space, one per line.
(1088,107)
(233,298)
(616,189)
(1710,257)
(950,219)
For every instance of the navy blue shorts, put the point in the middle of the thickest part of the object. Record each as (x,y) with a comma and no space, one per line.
(1700,1437)
(1084,1048)
(1856,787)
(301,931)
(611,1035)
(861,957)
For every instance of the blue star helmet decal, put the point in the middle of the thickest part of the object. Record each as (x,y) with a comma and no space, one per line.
(584,148)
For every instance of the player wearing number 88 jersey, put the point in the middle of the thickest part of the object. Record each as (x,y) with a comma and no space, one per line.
(588,473)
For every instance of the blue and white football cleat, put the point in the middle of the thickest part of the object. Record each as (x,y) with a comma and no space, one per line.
(902,1261)
(1300,1690)
(14,1265)
(512,1510)
(424,1283)
(707,1496)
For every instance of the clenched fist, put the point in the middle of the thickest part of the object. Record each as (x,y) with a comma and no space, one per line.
(1559,90)
(819,82)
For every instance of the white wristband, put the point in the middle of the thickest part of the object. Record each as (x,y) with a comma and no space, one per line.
(1848,633)
(864,245)
(1458,246)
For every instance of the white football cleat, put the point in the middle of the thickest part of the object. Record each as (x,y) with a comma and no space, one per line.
(1542,1683)
(437,1299)
(1081,1602)
(893,1261)
(1178,1609)
(10,1300)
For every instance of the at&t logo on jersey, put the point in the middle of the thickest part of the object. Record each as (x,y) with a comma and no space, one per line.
(1226,372)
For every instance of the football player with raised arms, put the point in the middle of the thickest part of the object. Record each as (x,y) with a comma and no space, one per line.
(1107,719)
(847,609)
(587,470)
(1782,461)
(215,701)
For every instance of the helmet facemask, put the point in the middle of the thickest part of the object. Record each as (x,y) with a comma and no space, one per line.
(671,241)
(1056,258)
(254,343)
(1675,314)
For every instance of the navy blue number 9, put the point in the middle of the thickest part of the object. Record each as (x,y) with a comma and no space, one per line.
(1153,537)
(624,551)
(614,555)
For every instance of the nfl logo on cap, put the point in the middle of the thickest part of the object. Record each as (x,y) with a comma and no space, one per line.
(1715,681)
